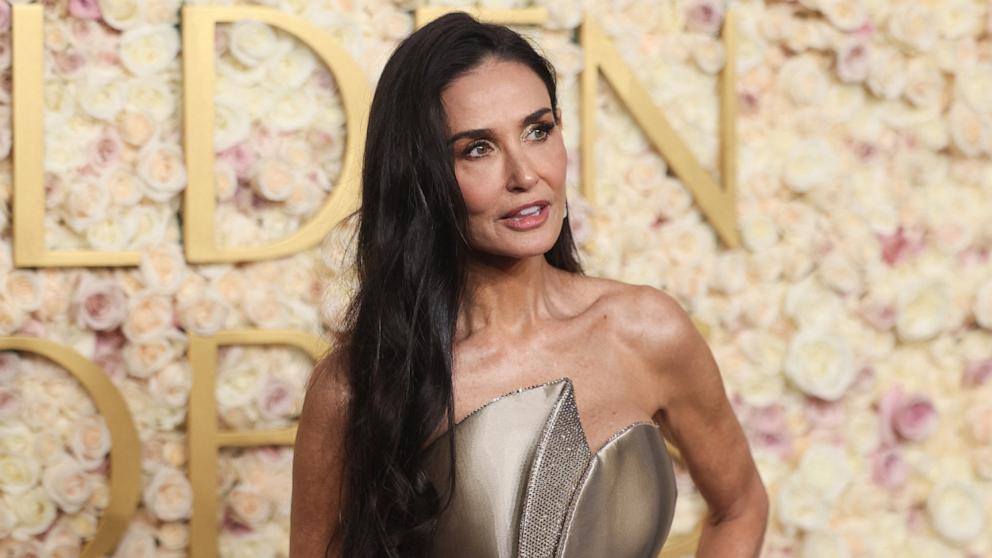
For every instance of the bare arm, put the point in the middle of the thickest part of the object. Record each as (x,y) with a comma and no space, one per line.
(695,414)
(318,460)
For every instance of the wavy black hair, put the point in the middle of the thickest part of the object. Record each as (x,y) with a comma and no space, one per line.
(411,255)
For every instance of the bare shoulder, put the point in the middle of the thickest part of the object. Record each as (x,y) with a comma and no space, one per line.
(655,329)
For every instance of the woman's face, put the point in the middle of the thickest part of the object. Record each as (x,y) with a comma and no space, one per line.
(509,158)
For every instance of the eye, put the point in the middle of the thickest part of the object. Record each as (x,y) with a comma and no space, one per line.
(540,132)
(476,150)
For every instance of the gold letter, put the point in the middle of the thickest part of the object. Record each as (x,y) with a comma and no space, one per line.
(205,438)
(125,449)
(717,203)
(198,125)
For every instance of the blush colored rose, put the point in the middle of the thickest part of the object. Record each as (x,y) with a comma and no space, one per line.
(977,372)
(4,17)
(889,469)
(101,304)
(916,418)
(85,9)
(704,16)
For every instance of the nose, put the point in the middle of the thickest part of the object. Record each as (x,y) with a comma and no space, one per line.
(521,174)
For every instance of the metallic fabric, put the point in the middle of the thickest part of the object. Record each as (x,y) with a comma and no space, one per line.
(528,484)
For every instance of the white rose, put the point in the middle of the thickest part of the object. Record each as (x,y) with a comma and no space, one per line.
(956,511)
(18,474)
(237,386)
(846,15)
(89,441)
(231,72)
(708,54)
(113,233)
(59,103)
(820,364)
(147,357)
(138,542)
(810,163)
(15,439)
(122,14)
(23,288)
(824,544)
(266,310)
(124,187)
(294,109)
(887,75)
(225,180)
(102,95)
(86,203)
(275,180)
(252,42)
(204,315)
(826,469)
(758,230)
(67,485)
(169,495)
(304,199)
(840,273)
(149,49)
(163,267)
(922,309)
(62,153)
(800,506)
(249,506)
(7,521)
(151,95)
(957,19)
(34,511)
(811,306)
(292,67)
(231,123)
(171,384)
(914,26)
(161,168)
(982,306)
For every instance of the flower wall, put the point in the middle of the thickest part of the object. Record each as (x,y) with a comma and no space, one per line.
(853,327)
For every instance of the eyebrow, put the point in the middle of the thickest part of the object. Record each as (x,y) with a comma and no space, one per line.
(487,132)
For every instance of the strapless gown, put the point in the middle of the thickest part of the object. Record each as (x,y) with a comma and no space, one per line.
(528,485)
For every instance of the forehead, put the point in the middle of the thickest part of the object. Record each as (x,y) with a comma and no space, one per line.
(496,92)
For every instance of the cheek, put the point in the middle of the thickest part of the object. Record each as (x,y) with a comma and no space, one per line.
(477,184)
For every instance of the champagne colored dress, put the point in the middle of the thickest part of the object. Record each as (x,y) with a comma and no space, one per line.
(528,485)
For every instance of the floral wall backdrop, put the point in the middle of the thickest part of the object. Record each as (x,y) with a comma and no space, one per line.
(853,328)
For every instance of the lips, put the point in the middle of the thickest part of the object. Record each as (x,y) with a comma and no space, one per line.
(539,204)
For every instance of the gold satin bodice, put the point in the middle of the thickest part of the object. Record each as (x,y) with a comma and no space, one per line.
(529,486)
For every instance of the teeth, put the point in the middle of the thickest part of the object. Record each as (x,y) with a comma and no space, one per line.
(532,210)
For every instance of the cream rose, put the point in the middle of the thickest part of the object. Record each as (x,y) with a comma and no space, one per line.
(34,511)
(824,544)
(147,357)
(266,310)
(169,495)
(887,76)
(113,233)
(122,14)
(7,521)
(925,84)
(275,180)
(237,386)
(138,542)
(150,49)
(291,68)
(123,185)
(982,306)
(89,441)
(249,506)
(232,124)
(972,82)
(162,170)
(293,110)
(304,199)
(135,128)
(11,317)
(846,15)
(67,485)
(826,469)
(163,267)
(173,536)
(800,506)
(252,42)
(86,203)
(277,398)
(914,26)
(970,131)
(151,95)
(204,315)
(956,511)
(24,289)
(18,474)
(820,364)
(150,315)
(922,309)
(102,95)
(853,61)
(810,163)
(15,439)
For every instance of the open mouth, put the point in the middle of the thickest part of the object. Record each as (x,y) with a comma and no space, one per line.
(528,217)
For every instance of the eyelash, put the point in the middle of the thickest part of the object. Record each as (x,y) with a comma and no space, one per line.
(544,127)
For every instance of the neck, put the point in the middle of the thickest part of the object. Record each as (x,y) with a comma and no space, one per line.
(506,294)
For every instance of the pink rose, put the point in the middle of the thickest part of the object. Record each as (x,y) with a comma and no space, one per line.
(241,158)
(888,468)
(276,398)
(107,148)
(10,401)
(4,17)
(68,63)
(900,244)
(101,304)
(852,62)
(909,417)
(977,372)
(768,430)
(704,16)
(85,9)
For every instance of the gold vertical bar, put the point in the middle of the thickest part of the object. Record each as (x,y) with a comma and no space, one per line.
(28,214)
(728,112)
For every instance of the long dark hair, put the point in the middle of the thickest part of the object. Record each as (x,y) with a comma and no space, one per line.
(411,257)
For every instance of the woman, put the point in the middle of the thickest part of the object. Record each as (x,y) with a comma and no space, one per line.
(487,398)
